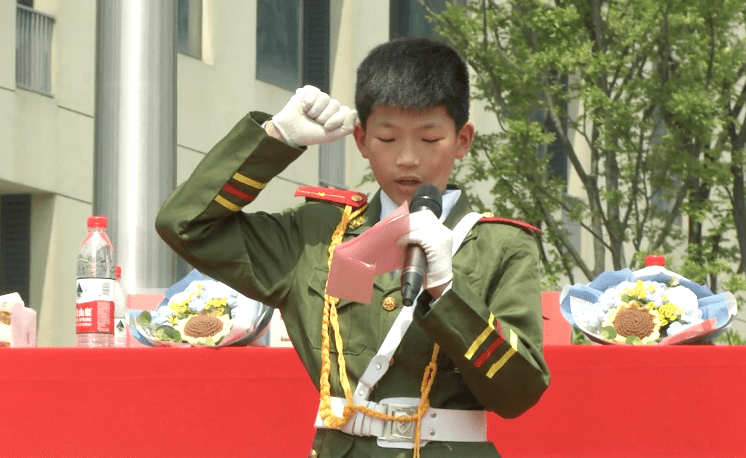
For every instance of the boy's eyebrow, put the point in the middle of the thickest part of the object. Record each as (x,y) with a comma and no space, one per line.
(385,123)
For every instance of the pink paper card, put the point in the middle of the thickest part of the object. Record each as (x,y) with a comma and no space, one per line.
(357,262)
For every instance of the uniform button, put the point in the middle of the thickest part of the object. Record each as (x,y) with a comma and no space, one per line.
(313,454)
(389,303)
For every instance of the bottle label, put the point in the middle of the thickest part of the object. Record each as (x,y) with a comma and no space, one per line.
(95,306)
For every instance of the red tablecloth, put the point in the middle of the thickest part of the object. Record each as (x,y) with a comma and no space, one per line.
(258,402)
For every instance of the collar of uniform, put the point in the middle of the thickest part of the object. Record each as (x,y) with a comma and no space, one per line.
(449,200)
(455,206)
(460,208)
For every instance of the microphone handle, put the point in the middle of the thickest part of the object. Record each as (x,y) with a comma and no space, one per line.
(413,273)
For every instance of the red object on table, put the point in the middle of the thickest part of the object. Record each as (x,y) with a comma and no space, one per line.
(611,401)
(557,330)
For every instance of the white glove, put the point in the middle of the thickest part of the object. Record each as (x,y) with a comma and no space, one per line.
(312,117)
(428,232)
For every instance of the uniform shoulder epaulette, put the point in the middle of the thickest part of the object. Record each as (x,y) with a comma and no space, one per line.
(489,218)
(354,199)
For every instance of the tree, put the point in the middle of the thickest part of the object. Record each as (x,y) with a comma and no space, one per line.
(643,99)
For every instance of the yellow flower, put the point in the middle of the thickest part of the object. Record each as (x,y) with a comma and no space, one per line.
(637,291)
(668,312)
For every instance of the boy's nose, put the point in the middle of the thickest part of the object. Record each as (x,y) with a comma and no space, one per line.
(407,157)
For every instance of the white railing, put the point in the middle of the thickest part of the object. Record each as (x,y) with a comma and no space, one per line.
(34,50)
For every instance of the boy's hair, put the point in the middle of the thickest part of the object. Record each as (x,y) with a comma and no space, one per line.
(413,73)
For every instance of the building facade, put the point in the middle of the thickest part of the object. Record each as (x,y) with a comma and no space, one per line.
(233,56)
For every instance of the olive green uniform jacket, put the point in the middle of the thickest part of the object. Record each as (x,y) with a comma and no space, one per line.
(488,325)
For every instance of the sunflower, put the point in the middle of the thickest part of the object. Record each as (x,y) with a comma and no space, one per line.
(632,319)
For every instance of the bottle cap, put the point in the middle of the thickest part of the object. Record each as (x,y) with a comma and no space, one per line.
(98,221)
(655,260)
(117,272)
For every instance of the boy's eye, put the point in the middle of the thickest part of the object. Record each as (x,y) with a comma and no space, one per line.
(385,140)
(431,140)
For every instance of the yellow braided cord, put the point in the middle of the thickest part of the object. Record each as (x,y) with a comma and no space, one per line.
(325,406)
(329,316)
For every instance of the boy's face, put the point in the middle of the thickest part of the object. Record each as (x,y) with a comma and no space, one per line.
(407,148)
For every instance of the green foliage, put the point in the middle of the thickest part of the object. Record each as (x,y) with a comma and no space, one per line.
(731,337)
(644,99)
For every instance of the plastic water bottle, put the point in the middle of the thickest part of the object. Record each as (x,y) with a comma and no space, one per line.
(121,326)
(94,318)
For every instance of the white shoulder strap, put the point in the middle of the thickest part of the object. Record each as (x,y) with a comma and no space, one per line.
(379,364)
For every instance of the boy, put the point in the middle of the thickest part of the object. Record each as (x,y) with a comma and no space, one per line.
(481,307)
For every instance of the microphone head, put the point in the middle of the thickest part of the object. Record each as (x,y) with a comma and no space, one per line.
(427,197)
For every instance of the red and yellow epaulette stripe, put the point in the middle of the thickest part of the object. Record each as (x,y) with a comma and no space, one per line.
(513,222)
(339,196)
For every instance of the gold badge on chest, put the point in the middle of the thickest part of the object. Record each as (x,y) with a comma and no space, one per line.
(389,303)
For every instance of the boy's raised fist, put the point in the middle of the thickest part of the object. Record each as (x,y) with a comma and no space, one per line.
(312,117)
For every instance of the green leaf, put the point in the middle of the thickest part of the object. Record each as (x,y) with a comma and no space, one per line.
(144,319)
(608,333)
(167,333)
(633,340)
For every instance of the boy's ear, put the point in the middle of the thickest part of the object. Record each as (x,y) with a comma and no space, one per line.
(465,137)
(359,133)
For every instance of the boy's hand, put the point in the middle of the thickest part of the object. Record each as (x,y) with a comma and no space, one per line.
(428,232)
(312,117)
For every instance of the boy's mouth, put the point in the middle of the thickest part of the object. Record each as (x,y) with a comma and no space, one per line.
(408,182)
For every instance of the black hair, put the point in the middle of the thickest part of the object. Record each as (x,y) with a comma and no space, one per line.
(413,73)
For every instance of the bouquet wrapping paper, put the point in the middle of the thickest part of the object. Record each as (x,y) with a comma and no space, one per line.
(240,320)
(667,307)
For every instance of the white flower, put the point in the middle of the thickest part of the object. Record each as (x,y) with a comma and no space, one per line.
(686,300)
(160,316)
(197,305)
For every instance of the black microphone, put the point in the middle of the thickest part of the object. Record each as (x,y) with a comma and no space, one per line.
(426,197)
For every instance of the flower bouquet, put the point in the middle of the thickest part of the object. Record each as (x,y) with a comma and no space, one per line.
(200,311)
(646,307)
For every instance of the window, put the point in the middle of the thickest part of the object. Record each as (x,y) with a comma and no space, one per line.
(292,50)
(407,18)
(278,45)
(33,49)
(316,43)
(189,27)
(15,242)
(292,43)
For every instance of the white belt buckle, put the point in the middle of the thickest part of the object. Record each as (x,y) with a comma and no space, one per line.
(399,431)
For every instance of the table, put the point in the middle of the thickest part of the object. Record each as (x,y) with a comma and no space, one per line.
(612,401)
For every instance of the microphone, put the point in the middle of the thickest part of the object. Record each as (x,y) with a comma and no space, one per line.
(426,197)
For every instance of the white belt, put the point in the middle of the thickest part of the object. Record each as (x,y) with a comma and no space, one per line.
(446,425)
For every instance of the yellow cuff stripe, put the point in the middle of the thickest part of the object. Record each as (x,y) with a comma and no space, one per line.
(482,337)
(504,358)
(227,204)
(248,181)
(500,363)
(514,340)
